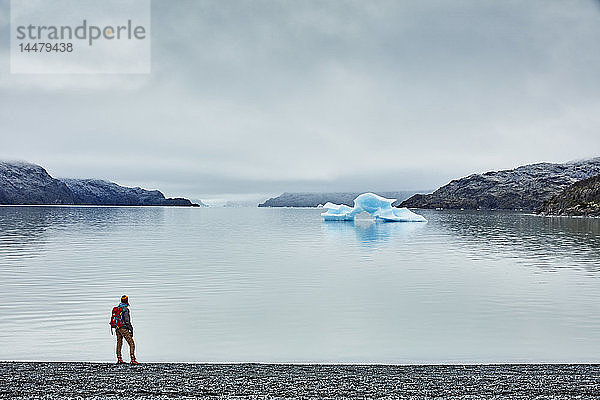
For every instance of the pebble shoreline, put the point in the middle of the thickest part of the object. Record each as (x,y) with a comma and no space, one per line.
(53,380)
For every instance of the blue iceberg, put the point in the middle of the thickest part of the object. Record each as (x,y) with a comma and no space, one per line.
(377,206)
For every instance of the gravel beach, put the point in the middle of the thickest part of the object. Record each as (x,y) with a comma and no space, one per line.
(285,381)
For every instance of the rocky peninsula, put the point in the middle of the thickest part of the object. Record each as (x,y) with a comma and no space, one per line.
(23,183)
(524,188)
(307,199)
(579,199)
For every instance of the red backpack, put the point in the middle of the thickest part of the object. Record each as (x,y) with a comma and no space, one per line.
(116,319)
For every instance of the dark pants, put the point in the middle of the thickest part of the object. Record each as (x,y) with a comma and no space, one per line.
(124,333)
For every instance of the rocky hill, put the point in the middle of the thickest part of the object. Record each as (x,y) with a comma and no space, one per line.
(99,192)
(580,198)
(314,199)
(526,187)
(23,183)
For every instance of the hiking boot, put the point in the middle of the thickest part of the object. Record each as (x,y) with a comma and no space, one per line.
(120,361)
(134,362)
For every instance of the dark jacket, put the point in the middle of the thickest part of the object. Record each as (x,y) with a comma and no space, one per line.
(126,317)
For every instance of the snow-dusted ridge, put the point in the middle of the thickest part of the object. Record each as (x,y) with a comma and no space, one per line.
(23,183)
(523,188)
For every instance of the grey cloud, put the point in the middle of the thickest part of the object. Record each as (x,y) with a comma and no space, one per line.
(268,96)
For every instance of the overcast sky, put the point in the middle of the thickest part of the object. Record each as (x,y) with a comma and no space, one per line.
(272,96)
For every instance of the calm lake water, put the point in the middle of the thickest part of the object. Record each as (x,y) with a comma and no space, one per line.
(282,285)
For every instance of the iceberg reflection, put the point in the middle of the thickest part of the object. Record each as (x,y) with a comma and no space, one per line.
(368,231)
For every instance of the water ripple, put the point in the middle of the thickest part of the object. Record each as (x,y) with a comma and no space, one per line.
(281,285)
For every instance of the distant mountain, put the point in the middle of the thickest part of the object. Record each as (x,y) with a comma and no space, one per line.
(314,199)
(23,183)
(99,192)
(526,187)
(580,198)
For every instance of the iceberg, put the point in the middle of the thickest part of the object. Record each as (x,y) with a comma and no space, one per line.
(377,206)
(338,212)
